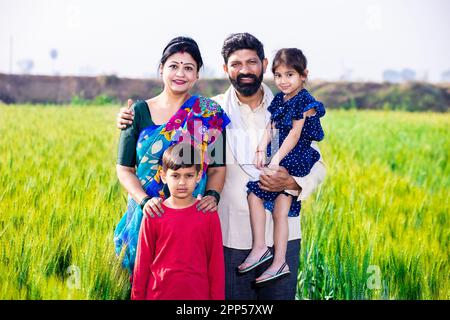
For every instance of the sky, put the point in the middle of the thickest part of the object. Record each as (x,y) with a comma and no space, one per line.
(342,39)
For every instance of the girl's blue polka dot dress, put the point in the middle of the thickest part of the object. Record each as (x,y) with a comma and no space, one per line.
(302,157)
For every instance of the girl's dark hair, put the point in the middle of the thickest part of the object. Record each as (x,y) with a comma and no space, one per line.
(291,57)
(181,155)
(182,44)
(239,41)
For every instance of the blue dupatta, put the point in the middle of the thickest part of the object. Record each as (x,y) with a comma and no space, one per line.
(199,120)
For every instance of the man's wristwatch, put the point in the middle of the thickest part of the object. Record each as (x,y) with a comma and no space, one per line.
(143,202)
(213,193)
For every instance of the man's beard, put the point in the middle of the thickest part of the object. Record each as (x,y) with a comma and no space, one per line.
(247,89)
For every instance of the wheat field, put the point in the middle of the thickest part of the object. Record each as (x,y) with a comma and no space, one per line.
(378,228)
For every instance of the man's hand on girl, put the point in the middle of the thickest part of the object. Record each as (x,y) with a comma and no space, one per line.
(278,181)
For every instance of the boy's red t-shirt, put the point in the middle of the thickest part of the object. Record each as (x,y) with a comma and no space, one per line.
(180,257)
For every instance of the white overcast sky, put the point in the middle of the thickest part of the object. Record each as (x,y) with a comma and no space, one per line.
(126,38)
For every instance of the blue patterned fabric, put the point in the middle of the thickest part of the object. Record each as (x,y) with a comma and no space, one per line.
(302,157)
(198,120)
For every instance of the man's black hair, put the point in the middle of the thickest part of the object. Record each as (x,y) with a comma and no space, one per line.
(239,41)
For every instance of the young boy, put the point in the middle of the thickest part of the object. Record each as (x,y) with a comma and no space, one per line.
(180,254)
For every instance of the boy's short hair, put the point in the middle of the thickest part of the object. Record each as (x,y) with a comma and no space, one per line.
(181,155)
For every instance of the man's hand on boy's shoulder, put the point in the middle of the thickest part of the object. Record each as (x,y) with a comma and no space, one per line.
(207,204)
(125,116)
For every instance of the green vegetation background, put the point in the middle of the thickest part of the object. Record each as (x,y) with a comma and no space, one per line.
(378,228)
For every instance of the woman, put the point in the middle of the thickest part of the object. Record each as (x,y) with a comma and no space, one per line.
(171,117)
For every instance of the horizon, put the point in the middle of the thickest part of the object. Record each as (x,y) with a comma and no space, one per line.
(266,79)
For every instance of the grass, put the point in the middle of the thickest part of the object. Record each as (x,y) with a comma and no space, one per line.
(378,228)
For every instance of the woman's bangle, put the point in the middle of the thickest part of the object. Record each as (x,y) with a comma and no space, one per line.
(143,202)
(214,194)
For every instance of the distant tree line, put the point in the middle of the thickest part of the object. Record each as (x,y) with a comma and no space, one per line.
(111,90)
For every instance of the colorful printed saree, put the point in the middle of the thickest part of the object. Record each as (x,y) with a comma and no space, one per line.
(199,121)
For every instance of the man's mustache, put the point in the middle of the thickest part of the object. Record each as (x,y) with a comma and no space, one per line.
(246,76)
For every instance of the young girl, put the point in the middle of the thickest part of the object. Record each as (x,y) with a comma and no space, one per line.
(294,125)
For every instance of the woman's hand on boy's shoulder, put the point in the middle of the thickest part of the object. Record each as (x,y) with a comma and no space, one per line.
(152,207)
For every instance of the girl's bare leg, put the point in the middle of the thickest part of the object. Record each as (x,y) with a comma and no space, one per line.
(280,234)
(258,223)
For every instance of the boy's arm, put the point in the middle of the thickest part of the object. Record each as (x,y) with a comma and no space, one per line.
(144,259)
(216,264)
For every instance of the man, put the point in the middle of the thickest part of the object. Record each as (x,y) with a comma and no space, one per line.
(246,102)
